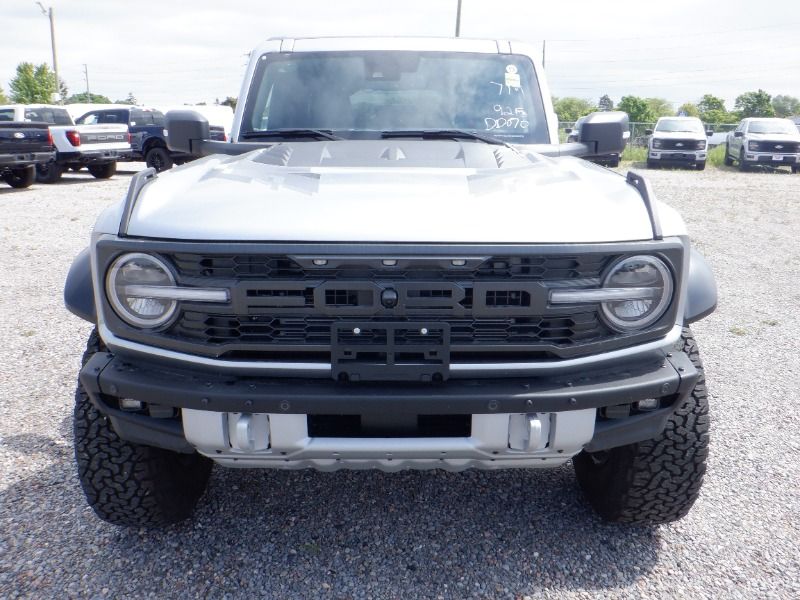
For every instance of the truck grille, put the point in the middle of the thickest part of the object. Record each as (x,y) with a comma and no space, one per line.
(286,307)
(777,147)
(671,144)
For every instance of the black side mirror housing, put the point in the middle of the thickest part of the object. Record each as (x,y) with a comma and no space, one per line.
(709,133)
(738,134)
(186,130)
(605,132)
(568,130)
(648,132)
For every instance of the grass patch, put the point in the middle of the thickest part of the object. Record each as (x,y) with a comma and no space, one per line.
(635,154)
(716,156)
(738,331)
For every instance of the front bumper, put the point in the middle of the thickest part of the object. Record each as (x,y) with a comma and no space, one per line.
(671,156)
(23,159)
(770,158)
(207,401)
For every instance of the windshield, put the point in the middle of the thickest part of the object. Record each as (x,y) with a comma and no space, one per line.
(772,126)
(680,125)
(46,114)
(361,94)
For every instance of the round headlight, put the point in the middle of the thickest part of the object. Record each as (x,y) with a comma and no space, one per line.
(653,281)
(130,274)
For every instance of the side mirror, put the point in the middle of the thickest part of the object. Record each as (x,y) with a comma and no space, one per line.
(604,132)
(186,129)
(648,132)
(738,134)
(568,130)
(709,133)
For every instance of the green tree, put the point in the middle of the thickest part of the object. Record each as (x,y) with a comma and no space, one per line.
(572,109)
(230,101)
(786,106)
(659,107)
(33,84)
(709,102)
(3,97)
(755,104)
(689,109)
(605,103)
(84,98)
(712,110)
(131,99)
(637,109)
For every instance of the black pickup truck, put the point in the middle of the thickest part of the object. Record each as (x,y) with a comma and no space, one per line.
(146,126)
(22,147)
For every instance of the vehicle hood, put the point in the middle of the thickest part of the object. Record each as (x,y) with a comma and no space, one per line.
(774,137)
(678,135)
(390,191)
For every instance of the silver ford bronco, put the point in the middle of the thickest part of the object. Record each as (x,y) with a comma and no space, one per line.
(393,265)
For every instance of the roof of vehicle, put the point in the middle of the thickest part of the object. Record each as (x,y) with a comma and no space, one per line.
(32,106)
(332,44)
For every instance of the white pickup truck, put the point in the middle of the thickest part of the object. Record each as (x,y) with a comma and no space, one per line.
(775,142)
(96,147)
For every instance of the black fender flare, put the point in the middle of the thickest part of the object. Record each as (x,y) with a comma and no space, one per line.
(79,289)
(701,292)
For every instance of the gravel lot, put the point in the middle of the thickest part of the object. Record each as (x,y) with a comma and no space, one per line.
(366,534)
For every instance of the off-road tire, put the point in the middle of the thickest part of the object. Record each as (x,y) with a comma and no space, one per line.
(700,166)
(795,169)
(103,170)
(728,161)
(158,158)
(21,178)
(49,172)
(651,164)
(658,480)
(613,163)
(131,484)
(744,166)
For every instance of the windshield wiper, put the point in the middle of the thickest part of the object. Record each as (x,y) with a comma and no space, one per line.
(291,133)
(444,134)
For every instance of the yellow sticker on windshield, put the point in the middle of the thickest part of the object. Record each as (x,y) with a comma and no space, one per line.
(512,77)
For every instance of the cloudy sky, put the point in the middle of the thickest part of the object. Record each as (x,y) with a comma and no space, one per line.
(169,51)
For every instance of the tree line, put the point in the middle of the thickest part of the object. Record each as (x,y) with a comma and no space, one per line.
(710,109)
(36,84)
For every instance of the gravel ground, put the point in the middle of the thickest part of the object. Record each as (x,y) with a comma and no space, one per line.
(432,534)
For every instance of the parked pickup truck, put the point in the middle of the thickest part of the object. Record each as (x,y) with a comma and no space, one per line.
(760,141)
(678,141)
(96,147)
(22,147)
(148,138)
(393,265)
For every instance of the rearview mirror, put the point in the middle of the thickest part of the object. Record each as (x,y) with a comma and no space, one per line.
(186,129)
(604,132)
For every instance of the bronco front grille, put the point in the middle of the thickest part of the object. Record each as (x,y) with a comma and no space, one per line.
(436,305)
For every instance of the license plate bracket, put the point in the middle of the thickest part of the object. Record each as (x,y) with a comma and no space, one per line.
(390,351)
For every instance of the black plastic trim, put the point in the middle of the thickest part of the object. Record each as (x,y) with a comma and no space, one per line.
(701,293)
(79,289)
(184,388)
(642,185)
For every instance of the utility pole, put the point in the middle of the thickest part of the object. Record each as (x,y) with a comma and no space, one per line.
(49,13)
(86,75)
(544,51)
(458,19)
